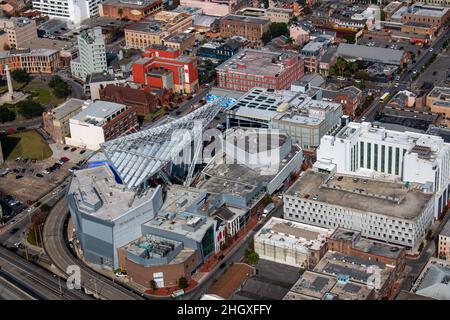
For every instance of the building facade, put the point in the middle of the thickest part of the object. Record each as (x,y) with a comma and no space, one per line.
(133,10)
(101,121)
(56,121)
(34,61)
(19,31)
(250,28)
(92,54)
(444,242)
(74,11)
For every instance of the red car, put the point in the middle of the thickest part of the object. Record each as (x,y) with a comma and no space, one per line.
(11,130)
(73,149)
(64,159)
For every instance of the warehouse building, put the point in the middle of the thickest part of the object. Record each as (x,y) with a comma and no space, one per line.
(372,54)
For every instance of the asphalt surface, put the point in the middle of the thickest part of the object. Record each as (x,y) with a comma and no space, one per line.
(406,78)
(38,282)
(10,290)
(62,257)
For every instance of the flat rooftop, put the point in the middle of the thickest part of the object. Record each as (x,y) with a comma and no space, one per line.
(66,108)
(98,112)
(147,25)
(364,195)
(232,279)
(374,54)
(427,10)
(291,234)
(446,230)
(98,194)
(434,281)
(135,4)
(256,62)
(246,19)
(365,245)
(180,37)
(320,286)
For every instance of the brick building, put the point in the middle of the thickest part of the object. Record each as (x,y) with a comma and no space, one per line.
(251,28)
(164,68)
(349,97)
(133,10)
(251,68)
(34,61)
(143,101)
(422,13)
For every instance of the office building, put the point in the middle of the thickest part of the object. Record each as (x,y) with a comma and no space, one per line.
(312,53)
(100,121)
(181,41)
(34,61)
(438,101)
(251,68)
(164,68)
(291,243)
(220,52)
(153,30)
(382,210)
(19,31)
(91,54)
(105,215)
(74,11)
(304,119)
(130,9)
(444,242)
(56,120)
(414,158)
(250,28)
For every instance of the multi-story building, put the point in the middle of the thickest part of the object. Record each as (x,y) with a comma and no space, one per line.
(164,68)
(74,11)
(92,54)
(251,28)
(419,12)
(34,61)
(105,215)
(413,158)
(433,281)
(219,52)
(56,120)
(291,243)
(251,68)
(382,210)
(154,30)
(181,41)
(349,97)
(19,31)
(444,242)
(304,119)
(100,121)
(279,15)
(143,101)
(312,53)
(214,7)
(130,9)
(438,100)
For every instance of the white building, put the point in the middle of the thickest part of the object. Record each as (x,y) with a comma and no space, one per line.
(74,11)
(91,54)
(382,210)
(105,215)
(413,158)
(100,121)
(292,243)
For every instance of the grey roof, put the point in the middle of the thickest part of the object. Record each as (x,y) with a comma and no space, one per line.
(204,20)
(138,156)
(374,54)
(446,230)
(436,283)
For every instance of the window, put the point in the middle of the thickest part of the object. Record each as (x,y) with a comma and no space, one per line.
(389,160)
(397,161)
(369,155)
(375,159)
(383,152)
(361,154)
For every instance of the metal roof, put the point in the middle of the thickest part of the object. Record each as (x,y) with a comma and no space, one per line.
(138,156)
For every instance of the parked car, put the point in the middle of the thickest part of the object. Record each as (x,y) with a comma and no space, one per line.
(73,149)
(64,159)
(21,128)
(66,148)
(39,175)
(82,151)
(19,176)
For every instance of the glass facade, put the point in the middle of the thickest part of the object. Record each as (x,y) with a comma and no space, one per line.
(369,155)
(375,158)
(361,154)
(389,160)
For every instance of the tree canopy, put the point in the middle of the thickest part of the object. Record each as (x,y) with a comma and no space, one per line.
(276,29)
(60,88)
(6,115)
(21,75)
(29,109)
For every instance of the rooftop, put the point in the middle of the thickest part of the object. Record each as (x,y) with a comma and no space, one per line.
(66,108)
(231,280)
(98,112)
(446,230)
(374,54)
(28,53)
(98,194)
(257,62)
(135,4)
(365,195)
(291,235)
(434,281)
(180,37)
(246,19)
(420,9)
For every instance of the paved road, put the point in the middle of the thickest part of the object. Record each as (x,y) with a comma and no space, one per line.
(38,282)
(236,255)
(62,257)
(406,78)
(9,290)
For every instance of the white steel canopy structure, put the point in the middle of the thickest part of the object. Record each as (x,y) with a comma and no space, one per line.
(139,156)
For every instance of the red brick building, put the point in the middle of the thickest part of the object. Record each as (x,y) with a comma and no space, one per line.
(164,68)
(349,97)
(143,101)
(251,68)
(133,10)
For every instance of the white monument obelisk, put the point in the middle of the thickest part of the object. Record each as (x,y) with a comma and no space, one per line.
(8,80)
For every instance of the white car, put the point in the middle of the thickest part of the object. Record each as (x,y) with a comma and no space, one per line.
(431,49)
(120,274)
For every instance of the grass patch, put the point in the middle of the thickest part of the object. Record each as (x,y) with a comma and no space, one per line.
(27,144)
(31,238)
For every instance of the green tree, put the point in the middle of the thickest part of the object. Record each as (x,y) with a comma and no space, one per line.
(266,4)
(382,15)
(361,75)
(21,75)
(6,114)
(276,29)
(251,257)
(183,283)
(350,38)
(60,88)
(29,109)
(341,64)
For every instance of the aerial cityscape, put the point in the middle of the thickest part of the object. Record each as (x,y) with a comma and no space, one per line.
(224,150)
